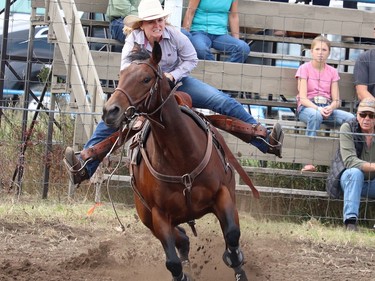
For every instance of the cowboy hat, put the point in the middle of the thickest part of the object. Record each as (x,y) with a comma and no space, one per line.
(147,10)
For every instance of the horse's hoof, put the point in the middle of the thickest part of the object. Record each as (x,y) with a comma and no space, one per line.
(240,275)
(186,268)
(183,277)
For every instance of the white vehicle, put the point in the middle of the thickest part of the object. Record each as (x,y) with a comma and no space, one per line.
(17,47)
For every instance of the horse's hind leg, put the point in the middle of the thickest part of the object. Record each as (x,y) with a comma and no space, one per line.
(182,243)
(226,212)
(183,248)
(166,233)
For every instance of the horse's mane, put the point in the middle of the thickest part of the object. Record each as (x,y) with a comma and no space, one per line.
(138,53)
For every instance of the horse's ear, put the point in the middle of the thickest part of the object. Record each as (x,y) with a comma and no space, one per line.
(156,53)
(136,48)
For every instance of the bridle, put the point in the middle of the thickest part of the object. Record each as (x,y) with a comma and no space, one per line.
(131,111)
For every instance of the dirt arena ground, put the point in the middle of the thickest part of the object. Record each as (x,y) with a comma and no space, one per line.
(74,247)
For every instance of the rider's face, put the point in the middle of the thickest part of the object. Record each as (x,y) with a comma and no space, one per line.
(154,29)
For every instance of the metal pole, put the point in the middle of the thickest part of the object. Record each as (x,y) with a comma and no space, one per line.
(4,52)
(24,137)
(48,149)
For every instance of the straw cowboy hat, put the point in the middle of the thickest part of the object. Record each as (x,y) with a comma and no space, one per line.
(147,10)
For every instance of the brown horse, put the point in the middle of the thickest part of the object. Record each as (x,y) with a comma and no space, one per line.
(179,168)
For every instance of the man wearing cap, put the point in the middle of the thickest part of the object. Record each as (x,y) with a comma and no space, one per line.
(357,149)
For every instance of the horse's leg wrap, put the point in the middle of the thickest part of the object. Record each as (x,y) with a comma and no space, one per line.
(240,274)
(176,270)
(182,277)
(233,257)
(238,128)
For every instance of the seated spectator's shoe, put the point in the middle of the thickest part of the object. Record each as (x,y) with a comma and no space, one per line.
(351,227)
(351,224)
(77,172)
(308,168)
(276,139)
(347,39)
(280,33)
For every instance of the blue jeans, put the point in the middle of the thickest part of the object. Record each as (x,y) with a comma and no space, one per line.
(203,96)
(314,119)
(354,186)
(238,50)
(346,4)
(101,132)
(116,27)
(186,33)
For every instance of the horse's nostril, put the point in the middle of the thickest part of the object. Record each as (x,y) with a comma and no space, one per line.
(112,111)
(110,114)
(115,110)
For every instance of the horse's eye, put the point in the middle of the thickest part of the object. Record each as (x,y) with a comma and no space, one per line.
(146,80)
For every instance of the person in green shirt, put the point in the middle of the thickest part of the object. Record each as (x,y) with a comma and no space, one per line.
(116,11)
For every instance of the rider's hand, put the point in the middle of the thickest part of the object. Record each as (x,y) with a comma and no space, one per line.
(171,80)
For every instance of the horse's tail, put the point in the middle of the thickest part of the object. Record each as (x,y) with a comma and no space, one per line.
(234,162)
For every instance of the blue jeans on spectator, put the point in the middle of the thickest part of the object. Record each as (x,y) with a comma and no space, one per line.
(117,33)
(186,33)
(346,4)
(314,119)
(203,96)
(237,49)
(354,186)
(116,28)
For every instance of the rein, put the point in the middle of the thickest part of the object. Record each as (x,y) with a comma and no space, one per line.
(131,110)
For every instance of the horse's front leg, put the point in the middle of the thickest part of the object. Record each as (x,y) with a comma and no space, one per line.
(226,212)
(165,232)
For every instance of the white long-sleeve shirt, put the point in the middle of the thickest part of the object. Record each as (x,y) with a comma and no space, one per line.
(179,57)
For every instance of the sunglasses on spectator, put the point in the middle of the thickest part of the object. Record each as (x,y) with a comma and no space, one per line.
(364,115)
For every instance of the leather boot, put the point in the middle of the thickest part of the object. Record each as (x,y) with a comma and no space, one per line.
(77,171)
(238,128)
(276,139)
(74,165)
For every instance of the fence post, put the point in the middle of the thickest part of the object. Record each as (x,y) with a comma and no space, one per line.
(175,7)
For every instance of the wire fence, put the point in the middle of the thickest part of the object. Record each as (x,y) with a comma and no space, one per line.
(34,166)
(33,137)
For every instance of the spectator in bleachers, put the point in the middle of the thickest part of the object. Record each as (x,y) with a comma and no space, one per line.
(364,74)
(207,21)
(117,10)
(318,91)
(356,158)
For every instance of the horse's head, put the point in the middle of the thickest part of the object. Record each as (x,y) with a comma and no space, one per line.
(140,88)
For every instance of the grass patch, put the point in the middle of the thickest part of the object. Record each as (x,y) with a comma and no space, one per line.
(34,211)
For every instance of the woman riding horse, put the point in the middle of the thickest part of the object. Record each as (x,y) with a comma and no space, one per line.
(179,59)
(179,170)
